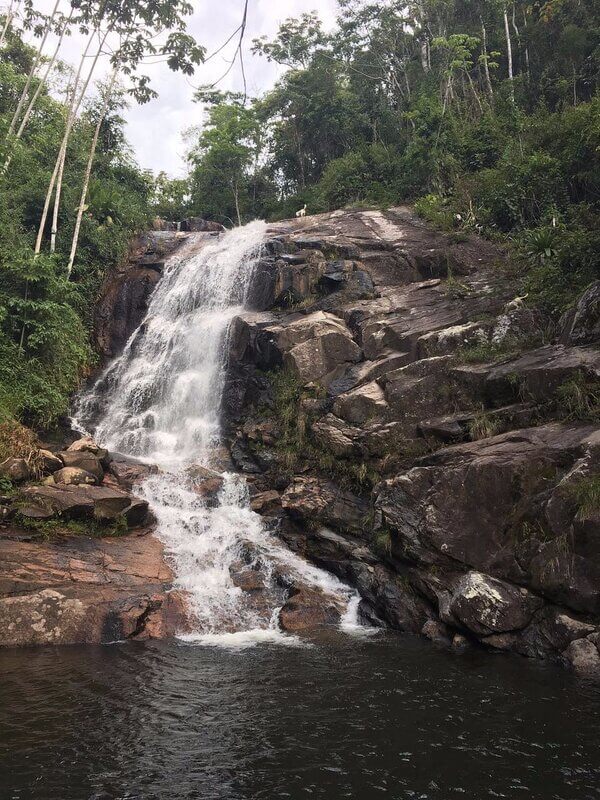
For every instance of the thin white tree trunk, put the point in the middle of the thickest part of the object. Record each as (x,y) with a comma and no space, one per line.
(56,209)
(36,94)
(59,180)
(88,170)
(75,104)
(424,56)
(32,71)
(34,99)
(9,18)
(509,55)
(486,67)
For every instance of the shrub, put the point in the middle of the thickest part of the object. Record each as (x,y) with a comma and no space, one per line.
(579,398)
(586,494)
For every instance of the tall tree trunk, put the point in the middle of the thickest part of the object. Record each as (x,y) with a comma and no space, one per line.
(32,71)
(56,209)
(474,90)
(88,170)
(44,79)
(75,104)
(36,94)
(486,66)
(509,55)
(59,180)
(425,56)
(527,67)
(517,35)
(7,21)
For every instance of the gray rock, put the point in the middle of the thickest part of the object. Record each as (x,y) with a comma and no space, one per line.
(582,326)
(15,469)
(485,605)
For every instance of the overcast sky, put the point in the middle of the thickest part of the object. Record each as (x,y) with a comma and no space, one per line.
(155,129)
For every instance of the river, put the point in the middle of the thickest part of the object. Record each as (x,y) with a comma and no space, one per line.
(385,716)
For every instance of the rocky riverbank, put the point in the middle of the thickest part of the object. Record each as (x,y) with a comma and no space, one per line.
(407,422)
(78,561)
(403,419)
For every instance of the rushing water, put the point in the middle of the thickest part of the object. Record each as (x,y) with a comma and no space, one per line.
(161,401)
(346,718)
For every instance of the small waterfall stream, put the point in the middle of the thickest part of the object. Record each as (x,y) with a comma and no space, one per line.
(160,402)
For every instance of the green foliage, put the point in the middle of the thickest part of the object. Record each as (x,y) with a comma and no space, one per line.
(294,444)
(488,352)
(382,543)
(436,210)
(586,494)
(45,319)
(226,182)
(412,101)
(55,527)
(579,398)
(483,426)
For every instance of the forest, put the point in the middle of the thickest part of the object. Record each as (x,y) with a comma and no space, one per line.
(484,114)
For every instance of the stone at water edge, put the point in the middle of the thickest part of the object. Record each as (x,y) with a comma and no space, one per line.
(83,460)
(309,609)
(72,476)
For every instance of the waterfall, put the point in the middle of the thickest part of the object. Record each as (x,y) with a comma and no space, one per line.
(160,402)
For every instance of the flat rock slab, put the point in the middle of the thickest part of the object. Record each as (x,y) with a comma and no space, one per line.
(84,590)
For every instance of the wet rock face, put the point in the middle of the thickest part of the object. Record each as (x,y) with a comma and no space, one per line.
(449,450)
(126,291)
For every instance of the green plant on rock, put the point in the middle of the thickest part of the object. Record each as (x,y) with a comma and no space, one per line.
(483,426)
(539,244)
(586,494)
(59,526)
(382,543)
(579,398)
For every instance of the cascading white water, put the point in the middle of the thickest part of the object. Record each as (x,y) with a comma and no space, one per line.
(160,401)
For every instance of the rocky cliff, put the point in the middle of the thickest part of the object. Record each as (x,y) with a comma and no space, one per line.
(407,422)
(404,420)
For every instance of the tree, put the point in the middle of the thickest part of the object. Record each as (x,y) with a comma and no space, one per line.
(225,158)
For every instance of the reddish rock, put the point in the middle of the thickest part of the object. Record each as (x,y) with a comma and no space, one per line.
(266,502)
(86,591)
(309,609)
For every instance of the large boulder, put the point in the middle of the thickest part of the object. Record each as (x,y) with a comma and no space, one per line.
(482,504)
(79,502)
(537,375)
(321,501)
(581,325)
(337,437)
(201,225)
(447,340)
(485,605)
(309,609)
(83,459)
(363,404)
(84,590)
(319,360)
(73,476)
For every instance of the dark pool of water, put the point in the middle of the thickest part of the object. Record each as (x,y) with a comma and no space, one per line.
(386,717)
